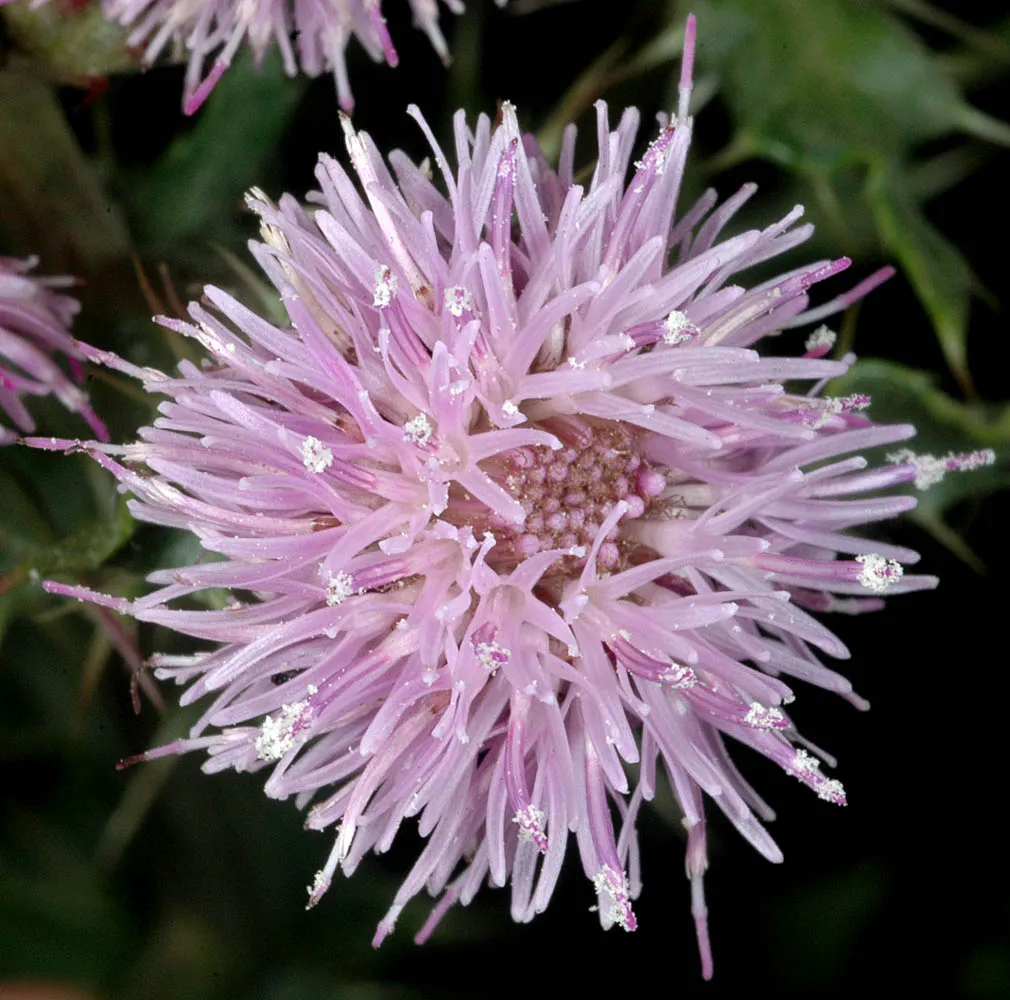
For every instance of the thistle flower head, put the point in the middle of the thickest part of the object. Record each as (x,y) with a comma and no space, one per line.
(311,35)
(34,323)
(510,505)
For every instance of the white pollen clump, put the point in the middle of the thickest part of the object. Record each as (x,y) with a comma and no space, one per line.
(808,769)
(823,338)
(831,790)
(846,404)
(490,655)
(338,588)
(762,717)
(678,328)
(288,730)
(316,457)
(385,287)
(824,409)
(509,408)
(614,898)
(804,763)
(458,299)
(878,574)
(531,827)
(417,430)
(680,675)
(316,889)
(930,470)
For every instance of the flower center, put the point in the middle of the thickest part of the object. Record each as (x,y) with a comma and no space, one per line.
(567,494)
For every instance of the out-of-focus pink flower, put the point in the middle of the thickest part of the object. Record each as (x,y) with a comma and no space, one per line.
(511,505)
(312,35)
(34,324)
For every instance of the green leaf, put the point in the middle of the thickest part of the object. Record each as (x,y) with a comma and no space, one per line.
(68,526)
(982,40)
(827,80)
(944,425)
(90,547)
(939,274)
(23,525)
(186,194)
(838,87)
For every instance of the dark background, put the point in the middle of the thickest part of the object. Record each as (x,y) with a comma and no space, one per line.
(160,882)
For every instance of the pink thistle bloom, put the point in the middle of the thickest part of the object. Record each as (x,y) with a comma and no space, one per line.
(34,320)
(520,505)
(215,29)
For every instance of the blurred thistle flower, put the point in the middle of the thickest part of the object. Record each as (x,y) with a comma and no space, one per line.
(34,320)
(321,29)
(512,504)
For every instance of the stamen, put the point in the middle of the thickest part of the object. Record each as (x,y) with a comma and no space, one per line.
(930,470)
(338,588)
(614,898)
(808,770)
(678,328)
(418,430)
(458,300)
(385,287)
(316,457)
(820,342)
(489,654)
(531,826)
(288,730)
(763,717)
(878,574)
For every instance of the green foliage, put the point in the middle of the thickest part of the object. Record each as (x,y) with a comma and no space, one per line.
(822,88)
(195,188)
(940,275)
(823,82)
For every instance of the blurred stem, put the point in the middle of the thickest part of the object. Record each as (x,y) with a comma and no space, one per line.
(987,42)
(140,795)
(607,70)
(847,333)
(463,83)
(742,147)
(580,96)
(828,199)
(946,535)
(945,170)
(145,783)
(982,126)
(105,152)
(125,387)
(95,661)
